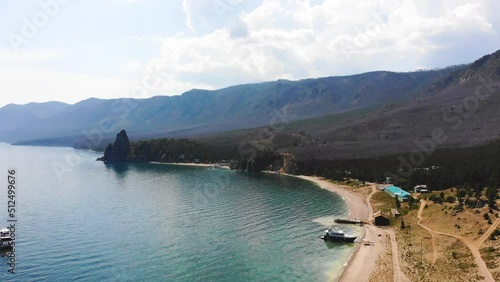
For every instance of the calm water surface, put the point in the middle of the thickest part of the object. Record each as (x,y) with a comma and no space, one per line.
(84,220)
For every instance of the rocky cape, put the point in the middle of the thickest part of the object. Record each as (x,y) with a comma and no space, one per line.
(183,150)
(118,151)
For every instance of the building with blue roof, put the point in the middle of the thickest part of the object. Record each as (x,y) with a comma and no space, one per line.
(394,191)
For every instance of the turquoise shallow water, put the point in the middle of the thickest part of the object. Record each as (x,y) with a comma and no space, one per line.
(84,220)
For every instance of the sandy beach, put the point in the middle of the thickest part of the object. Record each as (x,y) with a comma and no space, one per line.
(193,164)
(363,262)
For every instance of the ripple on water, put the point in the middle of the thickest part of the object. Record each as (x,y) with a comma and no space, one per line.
(157,223)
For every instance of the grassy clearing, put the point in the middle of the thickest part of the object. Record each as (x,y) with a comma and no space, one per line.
(470,223)
(382,201)
(454,261)
(490,256)
(490,252)
(415,247)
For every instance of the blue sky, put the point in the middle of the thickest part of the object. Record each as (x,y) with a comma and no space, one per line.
(70,50)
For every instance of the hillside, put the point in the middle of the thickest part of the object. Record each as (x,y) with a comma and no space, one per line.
(464,112)
(15,117)
(202,112)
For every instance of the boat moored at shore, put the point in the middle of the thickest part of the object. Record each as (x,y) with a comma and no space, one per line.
(336,234)
(5,239)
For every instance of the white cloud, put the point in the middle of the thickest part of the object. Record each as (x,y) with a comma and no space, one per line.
(132,66)
(471,16)
(296,39)
(187,6)
(200,13)
(289,39)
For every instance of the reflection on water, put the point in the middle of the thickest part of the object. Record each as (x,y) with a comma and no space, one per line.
(120,169)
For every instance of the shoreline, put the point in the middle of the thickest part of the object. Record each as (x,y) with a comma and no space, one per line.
(361,263)
(358,210)
(192,164)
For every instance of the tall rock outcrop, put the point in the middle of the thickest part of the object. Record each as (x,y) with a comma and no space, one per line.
(285,163)
(118,151)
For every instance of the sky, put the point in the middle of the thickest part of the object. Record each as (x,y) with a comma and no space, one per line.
(71,50)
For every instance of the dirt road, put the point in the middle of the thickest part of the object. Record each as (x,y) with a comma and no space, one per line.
(473,246)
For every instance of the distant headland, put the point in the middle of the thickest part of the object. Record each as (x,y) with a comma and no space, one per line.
(187,151)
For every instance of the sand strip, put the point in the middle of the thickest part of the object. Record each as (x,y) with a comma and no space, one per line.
(362,262)
(193,164)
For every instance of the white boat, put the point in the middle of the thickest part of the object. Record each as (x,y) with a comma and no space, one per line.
(336,234)
(5,238)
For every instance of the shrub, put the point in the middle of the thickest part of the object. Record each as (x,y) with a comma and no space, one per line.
(450,199)
(436,199)
(489,249)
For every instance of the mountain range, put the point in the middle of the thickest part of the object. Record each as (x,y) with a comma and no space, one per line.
(357,116)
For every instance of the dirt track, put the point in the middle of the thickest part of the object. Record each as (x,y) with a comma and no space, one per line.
(473,246)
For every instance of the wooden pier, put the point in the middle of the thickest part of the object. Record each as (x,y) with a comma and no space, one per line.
(348,221)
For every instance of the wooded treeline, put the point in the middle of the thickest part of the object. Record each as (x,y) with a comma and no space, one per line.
(472,167)
(177,150)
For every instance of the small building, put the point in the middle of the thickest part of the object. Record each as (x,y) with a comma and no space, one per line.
(382,187)
(388,180)
(395,212)
(381,219)
(421,189)
(394,191)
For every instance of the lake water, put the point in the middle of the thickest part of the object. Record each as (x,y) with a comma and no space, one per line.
(83,220)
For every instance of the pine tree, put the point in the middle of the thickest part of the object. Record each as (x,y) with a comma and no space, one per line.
(398,204)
